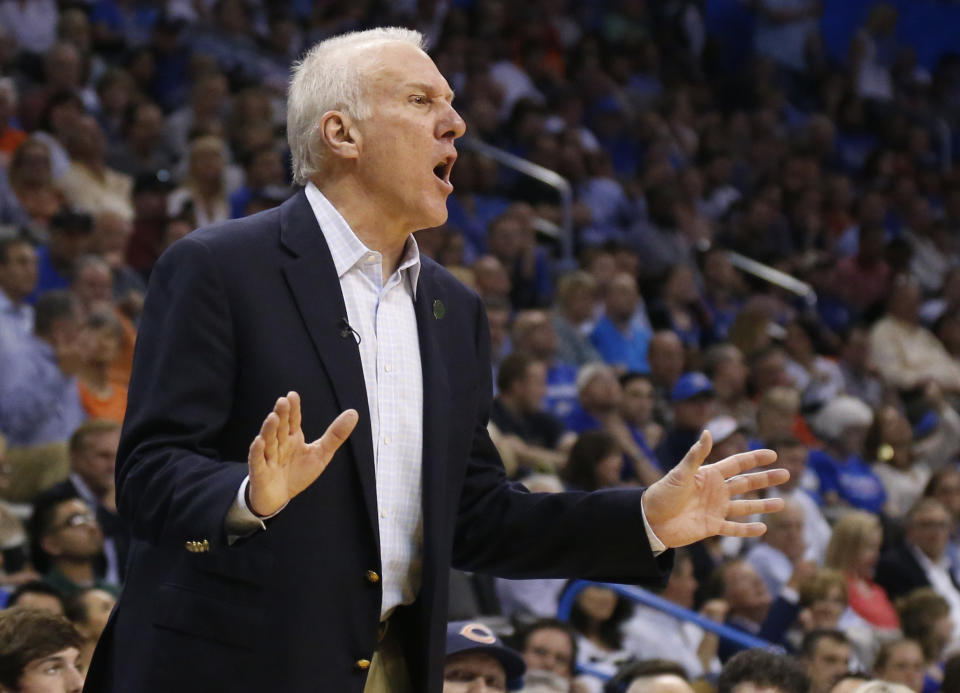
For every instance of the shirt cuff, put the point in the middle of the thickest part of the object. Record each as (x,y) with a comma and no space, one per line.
(241,520)
(656,546)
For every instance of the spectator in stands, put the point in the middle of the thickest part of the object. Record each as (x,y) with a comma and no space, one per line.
(681,309)
(921,559)
(768,369)
(901,661)
(944,485)
(549,648)
(37,594)
(598,616)
(476,660)
(39,652)
(619,335)
(903,474)
(70,239)
(636,409)
(89,610)
(818,379)
(863,280)
(111,236)
(491,279)
(724,365)
(792,455)
(68,541)
(39,399)
(925,618)
(906,353)
(758,670)
(10,136)
(666,359)
(511,238)
(854,550)
(101,398)
(18,277)
(533,334)
(723,292)
(843,474)
(778,552)
(204,188)
(595,462)
(859,373)
(263,169)
(823,601)
(93,454)
(208,98)
(693,402)
(90,185)
(652,633)
(576,310)
(141,151)
(650,676)
(31,181)
(826,656)
(532,434)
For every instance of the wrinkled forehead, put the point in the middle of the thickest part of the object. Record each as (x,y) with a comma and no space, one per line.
(391,66)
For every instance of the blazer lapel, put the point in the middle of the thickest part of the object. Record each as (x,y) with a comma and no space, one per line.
(436,399)
(315,286)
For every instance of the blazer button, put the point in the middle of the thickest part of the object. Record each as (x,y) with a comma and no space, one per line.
(372,577)
(362,664)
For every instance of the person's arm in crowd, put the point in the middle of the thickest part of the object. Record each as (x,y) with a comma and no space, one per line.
(944,443)
(647,471)
(715,610)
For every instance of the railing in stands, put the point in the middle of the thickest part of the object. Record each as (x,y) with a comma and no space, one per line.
(545,176)
(774,276)
(642,596)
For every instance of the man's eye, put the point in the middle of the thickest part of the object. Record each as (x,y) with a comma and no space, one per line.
(420,99)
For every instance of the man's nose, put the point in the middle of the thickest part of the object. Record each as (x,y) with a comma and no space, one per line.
(453,125)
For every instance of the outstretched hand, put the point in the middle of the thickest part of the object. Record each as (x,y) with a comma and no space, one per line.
(281,463)
(693,502)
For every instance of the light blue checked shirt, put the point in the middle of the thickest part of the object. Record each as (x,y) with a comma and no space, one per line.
(382,313)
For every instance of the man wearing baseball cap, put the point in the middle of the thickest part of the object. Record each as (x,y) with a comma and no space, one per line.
(477,662)
(693,402)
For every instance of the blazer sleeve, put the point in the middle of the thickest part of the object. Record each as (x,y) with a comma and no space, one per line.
(172,484)
(504,530)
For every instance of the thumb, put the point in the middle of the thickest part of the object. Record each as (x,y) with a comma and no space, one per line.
(336,433)
(697,454)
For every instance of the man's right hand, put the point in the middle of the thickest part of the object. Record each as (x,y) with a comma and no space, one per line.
(282,463)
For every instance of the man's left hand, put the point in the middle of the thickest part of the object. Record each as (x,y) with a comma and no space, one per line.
(693,502)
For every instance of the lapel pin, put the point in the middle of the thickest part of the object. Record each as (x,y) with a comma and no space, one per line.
(439,310)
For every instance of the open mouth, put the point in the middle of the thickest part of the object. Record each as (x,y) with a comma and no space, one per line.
(443,168)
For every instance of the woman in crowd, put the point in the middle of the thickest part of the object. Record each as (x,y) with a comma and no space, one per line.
(595,462)
(598,616)
(854,550)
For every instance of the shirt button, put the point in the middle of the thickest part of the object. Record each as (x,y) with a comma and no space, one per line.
(388,368)
(386,440)
(372,577)
(383,514)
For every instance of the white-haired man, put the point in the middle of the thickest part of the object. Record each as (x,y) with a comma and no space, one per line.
(287,565)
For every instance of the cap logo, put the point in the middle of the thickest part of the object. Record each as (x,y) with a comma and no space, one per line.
(478,633)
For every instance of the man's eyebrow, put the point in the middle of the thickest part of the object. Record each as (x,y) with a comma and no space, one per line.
(50,658)
(428,89)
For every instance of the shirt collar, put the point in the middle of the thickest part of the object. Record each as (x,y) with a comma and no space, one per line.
(345,248)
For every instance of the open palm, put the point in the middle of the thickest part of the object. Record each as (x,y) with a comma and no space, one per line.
(693,502)
(282,463)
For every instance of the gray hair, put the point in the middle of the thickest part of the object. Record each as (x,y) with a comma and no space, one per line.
(329,78)
(838,414)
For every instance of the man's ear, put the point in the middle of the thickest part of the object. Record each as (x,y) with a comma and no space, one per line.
(50,545)
(339,135)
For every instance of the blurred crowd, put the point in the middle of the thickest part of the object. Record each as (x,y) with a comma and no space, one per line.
(125,124)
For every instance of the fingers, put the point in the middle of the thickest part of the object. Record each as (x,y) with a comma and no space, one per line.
(282,410)
(698,453)
(295,414)
(742,529)
(255,458)
(337,432)
(744,461)
(757,480)
(268,434)
(739,508)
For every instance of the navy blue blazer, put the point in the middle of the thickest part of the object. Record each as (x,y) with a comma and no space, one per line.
(236,315)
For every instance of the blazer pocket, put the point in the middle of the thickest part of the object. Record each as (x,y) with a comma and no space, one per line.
(186,611)
(237,564)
